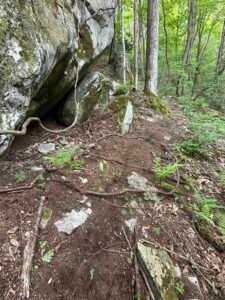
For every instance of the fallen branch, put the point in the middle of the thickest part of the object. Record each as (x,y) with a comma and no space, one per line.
(20,188)
(29,253)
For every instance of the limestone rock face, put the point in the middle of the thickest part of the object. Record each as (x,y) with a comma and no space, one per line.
(41,51)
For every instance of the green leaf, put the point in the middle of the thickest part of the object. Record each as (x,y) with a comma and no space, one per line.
(156,230)
(20,177)
(42,244)
(48,256)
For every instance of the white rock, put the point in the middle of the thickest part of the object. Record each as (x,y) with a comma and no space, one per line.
(73,220)
(46,148)
(131,224)
(128,118)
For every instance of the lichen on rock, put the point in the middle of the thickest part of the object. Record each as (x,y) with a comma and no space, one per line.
(159,270)
(40,49)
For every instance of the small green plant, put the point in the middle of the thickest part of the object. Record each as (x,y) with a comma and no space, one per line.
(48,256)
(210,211)
(206,207)
(92,274)
(222,177)
(121,89)
(156,230)
(42,244)
(104,167)
(101,189)
(192,146)
(161,172)
(20,177)
(138,297)
(189,182)
(179,287)
(65,158)
(127,212)
(118,174)
(130,260)
(41,181)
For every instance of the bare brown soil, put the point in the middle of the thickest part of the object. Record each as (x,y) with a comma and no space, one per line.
(98,247)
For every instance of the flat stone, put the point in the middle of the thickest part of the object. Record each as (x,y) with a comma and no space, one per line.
(159,270)
(46,148)
(131,224)
(141,183)
(73,220)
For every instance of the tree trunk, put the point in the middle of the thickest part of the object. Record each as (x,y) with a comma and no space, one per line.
(220,65)
(123,41)
(188,44)
(151,76)
(136,42)
(166,39)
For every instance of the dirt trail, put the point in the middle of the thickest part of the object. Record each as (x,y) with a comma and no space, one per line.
(93,262)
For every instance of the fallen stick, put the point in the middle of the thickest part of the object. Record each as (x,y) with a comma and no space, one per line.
(20,188)
(29,253)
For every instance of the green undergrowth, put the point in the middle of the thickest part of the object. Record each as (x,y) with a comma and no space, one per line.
(211,211)
(207,126)
(66,158)
(158,104)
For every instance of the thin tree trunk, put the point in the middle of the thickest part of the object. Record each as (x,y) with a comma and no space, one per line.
(220,65)
(166,39)
(191,34)
(151,79)
(123,41)
(201,51)
(188,44)
(136,42)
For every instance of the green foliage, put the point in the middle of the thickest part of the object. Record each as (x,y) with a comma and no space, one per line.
(138,297)
(222,177)
(127,212)
(65,158)
(101,189)
(189,182)
(121,89)
(210,211)
(205,127)
(220,222)
(41,181)
(162,172)
(156,230)
(130,260)
(179,287)
(20,177)
(160,105)
(48,256)
(192,146)
(42,244)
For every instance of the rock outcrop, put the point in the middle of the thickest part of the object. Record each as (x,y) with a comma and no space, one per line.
(87,96)
(42,46)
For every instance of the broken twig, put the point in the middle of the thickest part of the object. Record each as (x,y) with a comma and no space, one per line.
(29,253)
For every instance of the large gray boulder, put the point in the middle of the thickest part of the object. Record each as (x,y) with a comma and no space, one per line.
(40,51)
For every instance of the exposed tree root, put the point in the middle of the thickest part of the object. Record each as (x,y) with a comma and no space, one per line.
(20,188)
